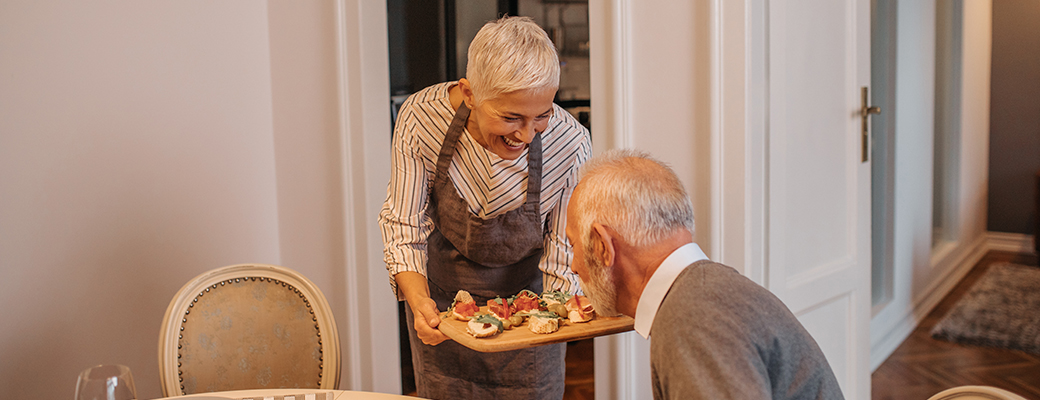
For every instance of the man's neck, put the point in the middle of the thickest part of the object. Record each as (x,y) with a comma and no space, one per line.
(639,264)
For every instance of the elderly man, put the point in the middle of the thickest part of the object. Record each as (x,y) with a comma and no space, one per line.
(715,334)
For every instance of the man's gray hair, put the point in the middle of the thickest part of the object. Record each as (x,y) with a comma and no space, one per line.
(510,54)
(638,196)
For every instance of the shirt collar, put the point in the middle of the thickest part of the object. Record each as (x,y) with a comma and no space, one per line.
(660,282)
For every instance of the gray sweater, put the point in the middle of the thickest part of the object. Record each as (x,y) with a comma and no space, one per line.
(718,335)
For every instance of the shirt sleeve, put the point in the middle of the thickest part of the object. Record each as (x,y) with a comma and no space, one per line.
(403,220)
(556,262)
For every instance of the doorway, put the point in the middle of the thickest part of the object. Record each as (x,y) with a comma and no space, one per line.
(428,42)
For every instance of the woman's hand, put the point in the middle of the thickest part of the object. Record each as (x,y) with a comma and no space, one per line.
(427,318)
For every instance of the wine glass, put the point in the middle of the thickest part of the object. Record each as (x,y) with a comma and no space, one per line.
(106,382)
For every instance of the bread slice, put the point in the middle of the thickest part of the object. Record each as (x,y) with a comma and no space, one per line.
(544,322)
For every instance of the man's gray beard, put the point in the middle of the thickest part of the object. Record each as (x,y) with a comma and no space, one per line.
(600,289)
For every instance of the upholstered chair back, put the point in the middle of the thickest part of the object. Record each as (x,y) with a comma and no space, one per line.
(248,326)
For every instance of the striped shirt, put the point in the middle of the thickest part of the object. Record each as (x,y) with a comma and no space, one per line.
(490,185)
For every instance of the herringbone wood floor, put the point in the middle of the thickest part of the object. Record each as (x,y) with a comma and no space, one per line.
(922,366)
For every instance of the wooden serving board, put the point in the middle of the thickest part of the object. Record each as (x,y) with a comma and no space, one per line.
(521,337)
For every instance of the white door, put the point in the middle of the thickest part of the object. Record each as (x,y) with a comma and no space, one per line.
(817,186)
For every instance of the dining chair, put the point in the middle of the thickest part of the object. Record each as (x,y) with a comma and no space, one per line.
(248,326)
(976,393)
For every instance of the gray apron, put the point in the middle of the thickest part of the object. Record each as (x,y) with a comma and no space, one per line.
(489,258)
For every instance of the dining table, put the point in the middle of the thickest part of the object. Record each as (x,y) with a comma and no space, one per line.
(290,394)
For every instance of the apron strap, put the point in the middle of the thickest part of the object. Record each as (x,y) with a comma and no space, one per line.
(534,171)
(534,156)
(450,139)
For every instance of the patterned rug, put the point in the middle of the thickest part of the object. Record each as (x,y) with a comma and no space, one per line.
(1002,309)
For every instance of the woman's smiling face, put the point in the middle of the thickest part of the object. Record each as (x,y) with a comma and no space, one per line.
(506,124)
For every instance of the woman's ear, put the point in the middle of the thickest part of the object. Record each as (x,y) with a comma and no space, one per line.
(467,93)
(603,243)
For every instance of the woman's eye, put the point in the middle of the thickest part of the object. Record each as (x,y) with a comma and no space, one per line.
(512,119)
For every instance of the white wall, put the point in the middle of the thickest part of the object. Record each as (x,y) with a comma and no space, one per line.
(662,89)
(974,124)
(921,276)
(651,90)
(364,135)
(136,151)
(144,143)
(308,151)
(306,141)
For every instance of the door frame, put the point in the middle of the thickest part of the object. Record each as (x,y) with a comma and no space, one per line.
(370,359)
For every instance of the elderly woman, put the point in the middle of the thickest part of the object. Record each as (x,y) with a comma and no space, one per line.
(477,200)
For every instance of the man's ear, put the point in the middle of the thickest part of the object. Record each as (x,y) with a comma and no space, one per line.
(603,243)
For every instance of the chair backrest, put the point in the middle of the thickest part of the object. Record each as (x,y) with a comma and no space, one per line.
(976,393)
(248,326)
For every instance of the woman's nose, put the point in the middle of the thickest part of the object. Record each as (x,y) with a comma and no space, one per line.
(526,133)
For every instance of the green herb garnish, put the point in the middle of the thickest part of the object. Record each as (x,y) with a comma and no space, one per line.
(488,319)
(545,314)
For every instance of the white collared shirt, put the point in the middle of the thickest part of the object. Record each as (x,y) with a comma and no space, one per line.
(660,282)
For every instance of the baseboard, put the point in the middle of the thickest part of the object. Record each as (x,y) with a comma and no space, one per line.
(1013,242)
(888,344)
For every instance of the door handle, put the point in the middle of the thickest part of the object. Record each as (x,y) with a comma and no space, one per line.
(864,113)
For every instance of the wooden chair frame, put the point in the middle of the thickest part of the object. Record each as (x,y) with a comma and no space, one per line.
(976,392)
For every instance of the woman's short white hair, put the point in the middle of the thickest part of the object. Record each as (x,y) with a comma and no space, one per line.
(637,196)
(510,54)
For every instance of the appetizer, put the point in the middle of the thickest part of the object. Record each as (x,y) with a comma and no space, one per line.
(464,306)
(485,325)
(579,309)
(524,302)
(543,313)
(554,297)
(500,308)
(544,322)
